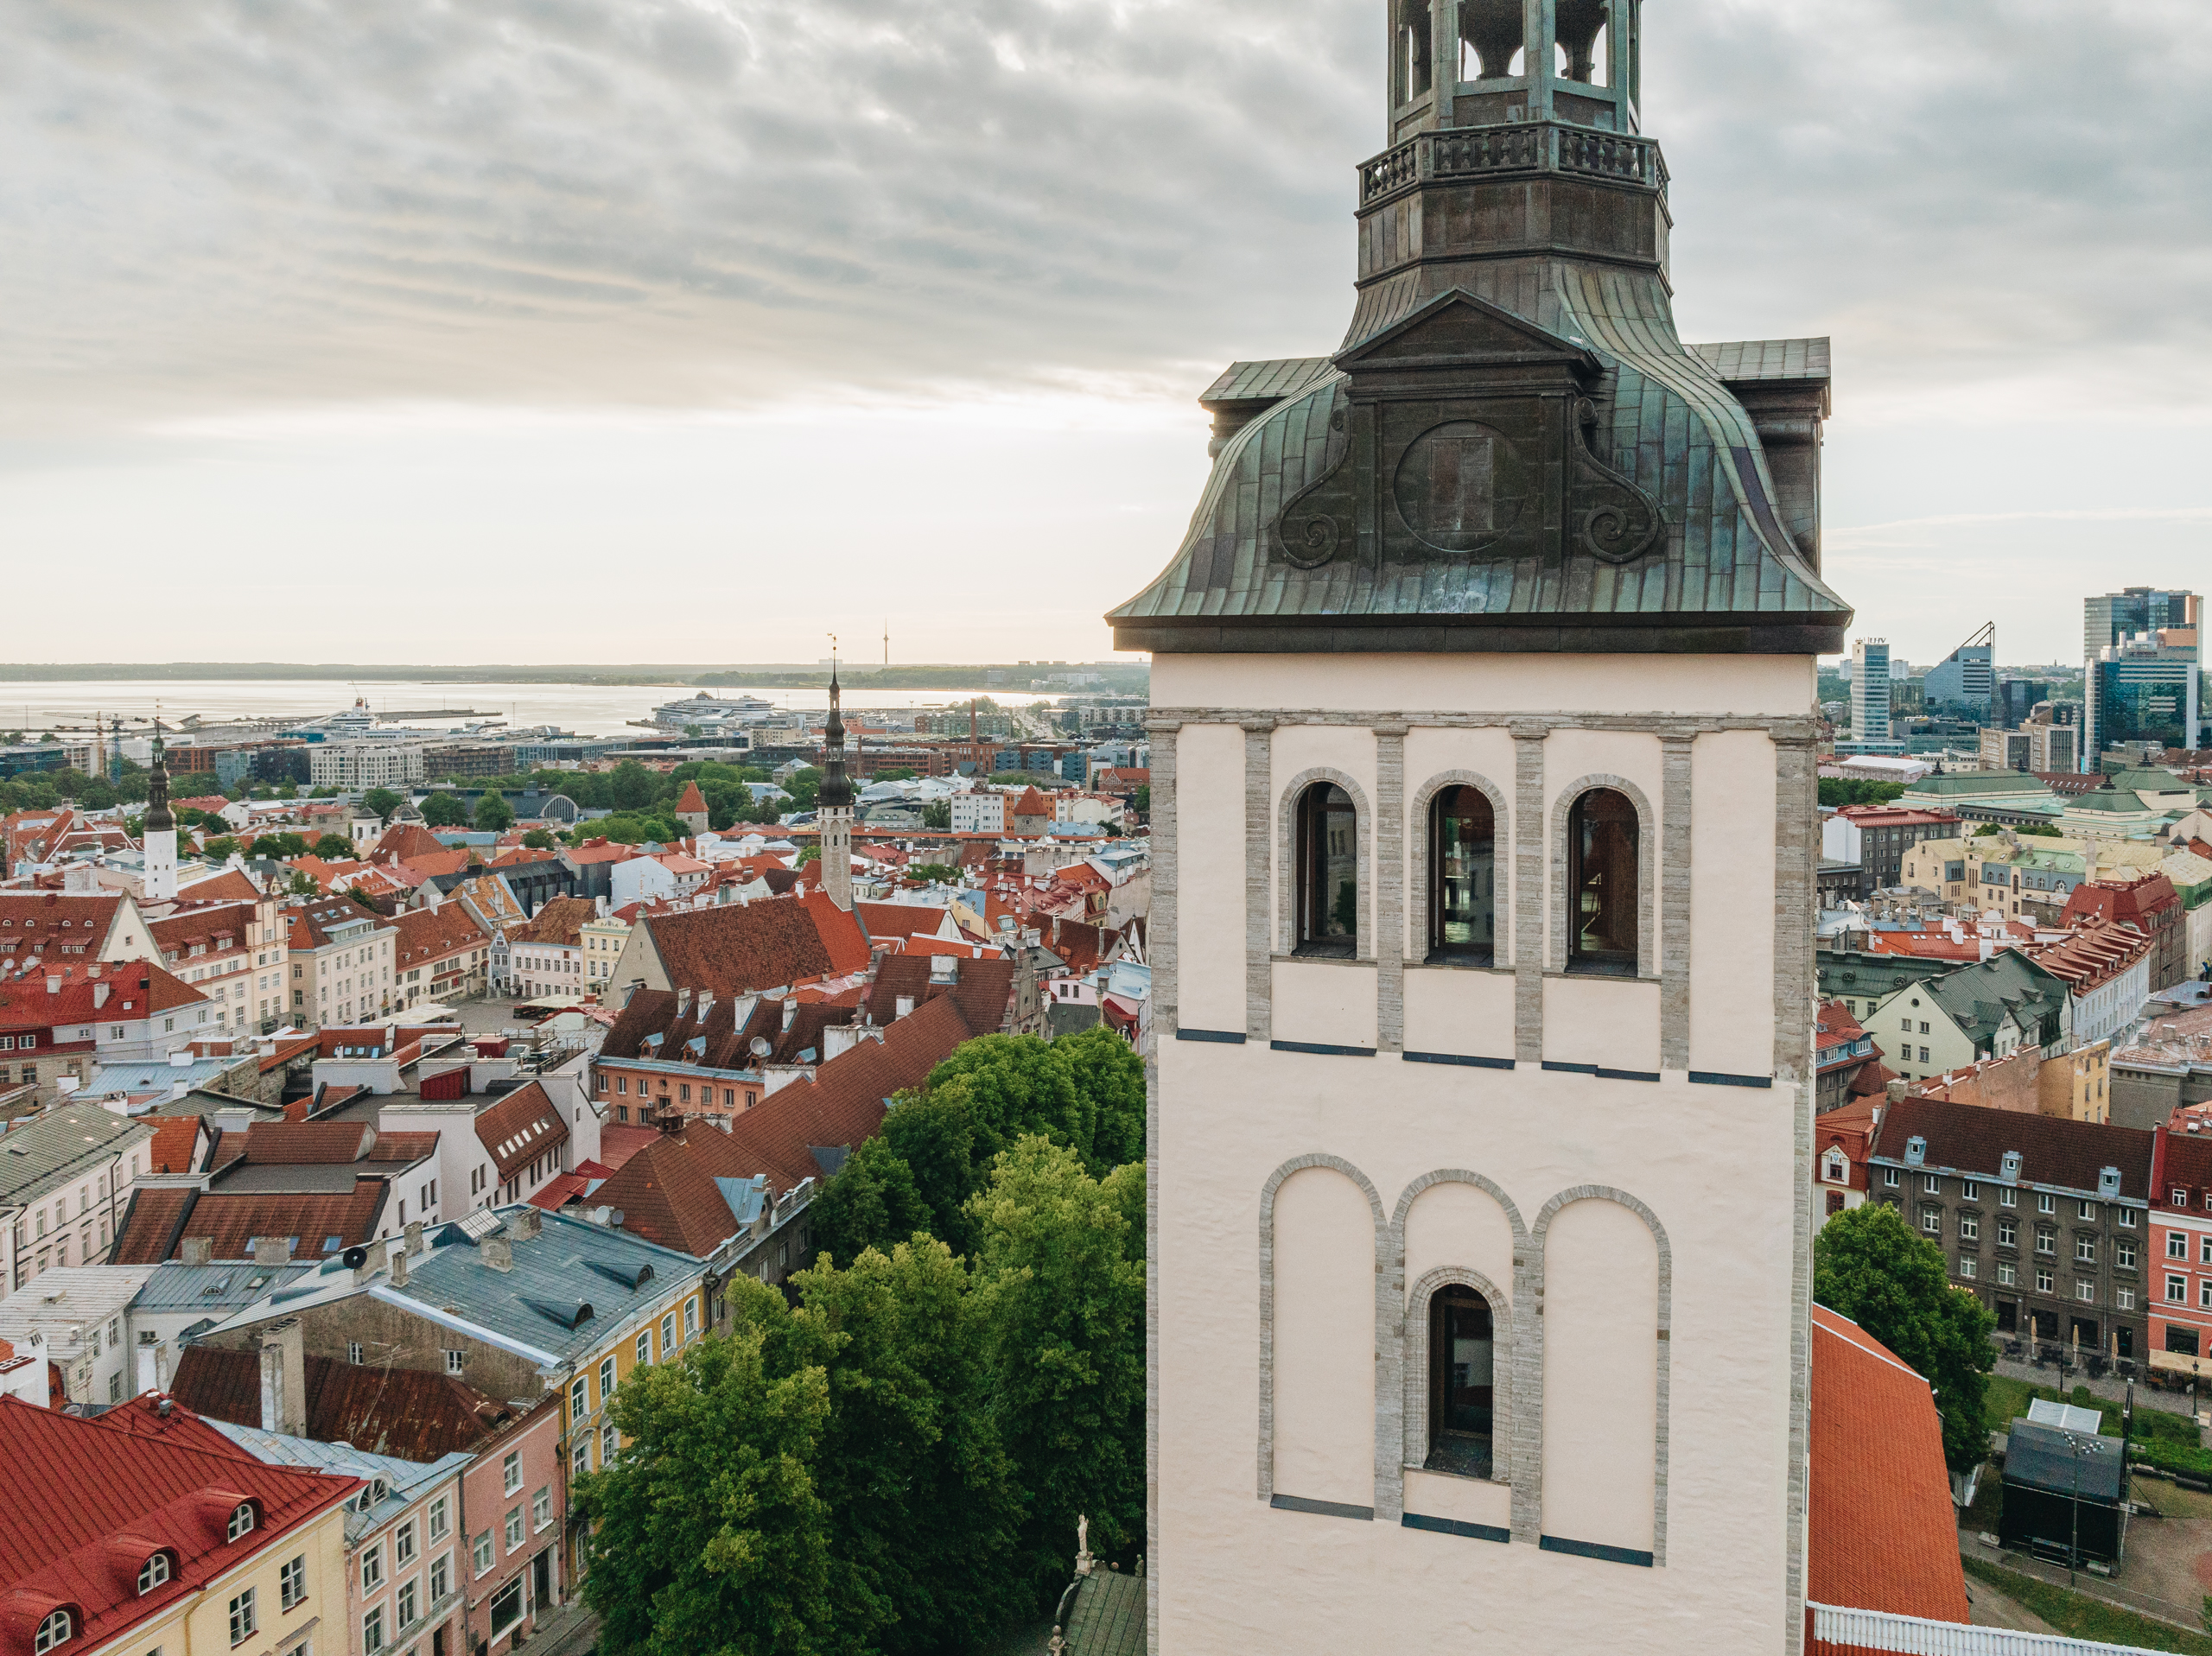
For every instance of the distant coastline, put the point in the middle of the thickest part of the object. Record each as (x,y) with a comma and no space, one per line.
(1123,677)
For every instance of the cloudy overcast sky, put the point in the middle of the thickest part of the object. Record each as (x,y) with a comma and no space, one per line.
(623,330)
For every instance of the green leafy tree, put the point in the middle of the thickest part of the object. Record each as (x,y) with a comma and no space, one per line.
(1846,790)
(895,773)
(220,847)
(1869,1265)
(331,846)
(380,803)
(1016,1084)
(1108,1072)
(808,854)
(303,885)
(2042,830)
(941,873)
(443,810)
(804,787)
(538,840)
(707,1535)
(936,816)
(493,814)
(631,787)
(874,1201)
(923,1510)
(323,793)
(1059,1268)
(280,846)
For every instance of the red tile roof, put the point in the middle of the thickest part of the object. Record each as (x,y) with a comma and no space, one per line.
(521,1128)
(842,1104)
(1882,1533)
(136,989)
(403,842)
(2136,902)
(414,1414)
(159,1219)
(91,1499)
(174,1137)
(747,946)
(214,926)
(556,923)
(228,886)
(691,801)
(433,934)
(300,1144)
(983,988)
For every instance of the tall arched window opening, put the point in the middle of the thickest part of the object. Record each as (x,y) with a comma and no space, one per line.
(1601,841)
(1462,878)
(1328,872)
(1462,1376)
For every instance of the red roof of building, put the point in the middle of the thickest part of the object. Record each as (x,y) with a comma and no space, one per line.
(1881,1532)
(159,1219)
(690,801)
(2139,902)
(403,842)
(433,934)
(521,1128)
(174,1139)
(136,989)
(1029,802)
(229,886)
(92,1500)
(415,1414)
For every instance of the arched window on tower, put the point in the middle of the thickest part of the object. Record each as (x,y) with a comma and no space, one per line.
(1462,878)
(1490,32)
(1602,841)
(1462,1346)
(1328,872)
(1582,49)
(1411,73)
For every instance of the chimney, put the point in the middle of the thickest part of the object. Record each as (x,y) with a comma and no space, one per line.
(197,1250)
(499,1253)
(99,996)
(525,1223)
(706,1001)
(272,1251)
(284,1379)
(903,1006)
(791,1011)
(414,1232)
(396,1259)
(52,983)
(683,1003)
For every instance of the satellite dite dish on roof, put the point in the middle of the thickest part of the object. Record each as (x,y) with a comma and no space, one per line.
(760,1047)
(354,1257)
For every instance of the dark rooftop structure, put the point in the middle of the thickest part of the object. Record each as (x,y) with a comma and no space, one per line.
(1511,450)
(2062,1493)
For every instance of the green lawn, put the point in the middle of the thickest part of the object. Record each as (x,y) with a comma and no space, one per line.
(2079,1616)
(2009,1399)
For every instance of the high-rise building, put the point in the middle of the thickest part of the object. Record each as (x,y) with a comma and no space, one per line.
(1871,683)
(2141,670)
(1482,823)
(1961,684)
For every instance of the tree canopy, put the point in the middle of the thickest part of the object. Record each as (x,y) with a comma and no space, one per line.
(895,1463)
(1846,790)
(1869,1265)
(443,810)
(493,814)
(380,803)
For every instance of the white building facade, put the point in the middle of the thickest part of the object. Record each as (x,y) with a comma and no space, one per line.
(1483,824)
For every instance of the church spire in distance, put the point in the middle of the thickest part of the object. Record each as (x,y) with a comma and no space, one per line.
(834,802)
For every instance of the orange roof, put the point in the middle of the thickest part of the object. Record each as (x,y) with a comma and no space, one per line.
(692,800)
(1883,1534)
(174,1137)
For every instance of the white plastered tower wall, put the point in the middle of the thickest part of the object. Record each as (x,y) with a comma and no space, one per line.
(1620,1167)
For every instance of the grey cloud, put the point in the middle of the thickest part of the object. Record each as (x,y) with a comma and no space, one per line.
(220,204)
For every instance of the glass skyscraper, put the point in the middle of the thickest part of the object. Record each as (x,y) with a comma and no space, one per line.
(2140,670)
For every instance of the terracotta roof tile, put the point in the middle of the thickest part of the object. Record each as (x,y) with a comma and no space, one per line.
(81,1486)
(556,923)
(1882,1533)
(409,1413)
(174,1137)
(520,1128)
(159,1219)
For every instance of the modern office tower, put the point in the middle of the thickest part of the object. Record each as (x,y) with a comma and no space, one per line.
(1958,686)
(2150,689)
(2015,699)
(1484,795)
(1870,700)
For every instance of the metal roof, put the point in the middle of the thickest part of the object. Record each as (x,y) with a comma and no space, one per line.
(2051,1459)
(403,1481)
(1669,424)
(176,1287)
(1748,359)
(1268,382)
(58,1144)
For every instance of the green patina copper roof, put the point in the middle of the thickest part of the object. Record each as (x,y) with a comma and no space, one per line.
(1669,424)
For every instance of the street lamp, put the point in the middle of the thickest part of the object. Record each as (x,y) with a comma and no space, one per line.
(2082,1448)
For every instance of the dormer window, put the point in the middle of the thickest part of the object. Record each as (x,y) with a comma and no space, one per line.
(1833,1169)
(154,1572)
(241,1520)
(54,1630)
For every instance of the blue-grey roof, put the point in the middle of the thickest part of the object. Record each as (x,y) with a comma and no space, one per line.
(571,1262)
(66,1140)
(403,1481)
(212,1288)
(145,1077)
(2047,1458)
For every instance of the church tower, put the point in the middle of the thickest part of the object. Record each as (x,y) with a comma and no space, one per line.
(1482,943)
(157,834)
(833,806)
